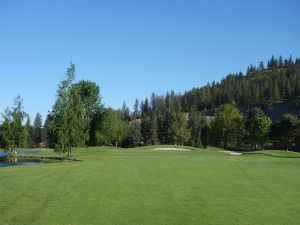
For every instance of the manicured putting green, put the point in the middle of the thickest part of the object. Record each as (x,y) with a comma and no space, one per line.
(145,186)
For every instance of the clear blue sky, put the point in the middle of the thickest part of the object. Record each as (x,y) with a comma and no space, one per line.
(134,48)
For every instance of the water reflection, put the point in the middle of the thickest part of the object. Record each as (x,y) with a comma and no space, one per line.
(16,161)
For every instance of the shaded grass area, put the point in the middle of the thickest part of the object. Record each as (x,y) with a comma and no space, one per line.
(142,186)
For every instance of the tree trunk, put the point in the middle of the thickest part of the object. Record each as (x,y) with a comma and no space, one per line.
(116,145)
(69,151)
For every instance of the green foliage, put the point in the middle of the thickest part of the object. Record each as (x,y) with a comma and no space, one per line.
(90,98)
(89,93)
(95,126)
(49,131)
(136,112)
(196,124)
(29,133)
(227,126)
(37,133)
(112,130)
(125,112)
(69,124)
(258,128)
(134,137)
(286,131)
(205,134)
(261,130)
(13,134)
(278,82)
(153,129)
(175,128)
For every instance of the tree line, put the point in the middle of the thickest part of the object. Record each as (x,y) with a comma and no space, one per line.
(78,118)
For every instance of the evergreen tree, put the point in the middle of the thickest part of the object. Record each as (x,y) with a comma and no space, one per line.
(134,137)
(49,131)
(196,124)
(146,129)
(205,134)
(261,66)
(125,112)
(280,62)
(136,113)
(145,108)
(29,133)
(37,130)
(176,128)
(153,129)
(286,131)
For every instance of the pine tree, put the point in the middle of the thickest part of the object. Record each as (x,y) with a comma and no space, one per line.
(286,131)
(195,125)
(146,129)
(136,113)
(135,133)
(153,129)
(37,130)
(261,66)
(29,133)
(125,112)
(280,62)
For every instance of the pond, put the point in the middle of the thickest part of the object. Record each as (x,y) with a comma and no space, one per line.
(6,161)
(20,153)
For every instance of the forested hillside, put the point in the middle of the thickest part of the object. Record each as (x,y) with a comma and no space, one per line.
(278,81)
(250,111)
(274,88)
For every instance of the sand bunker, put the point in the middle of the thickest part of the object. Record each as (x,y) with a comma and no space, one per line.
(235,153)
(174,149)
(231,152)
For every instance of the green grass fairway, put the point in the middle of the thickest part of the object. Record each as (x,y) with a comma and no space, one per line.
(143,186)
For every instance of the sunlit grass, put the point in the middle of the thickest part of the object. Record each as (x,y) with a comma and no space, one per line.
(142,186)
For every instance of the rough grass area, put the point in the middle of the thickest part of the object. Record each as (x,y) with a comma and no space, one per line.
(143,186)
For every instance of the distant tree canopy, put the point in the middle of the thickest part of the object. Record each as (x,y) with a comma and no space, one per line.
(78,118)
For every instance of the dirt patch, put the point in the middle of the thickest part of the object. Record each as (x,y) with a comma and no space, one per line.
(174,149)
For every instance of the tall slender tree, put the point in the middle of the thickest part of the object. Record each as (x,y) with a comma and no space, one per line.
(13,133)
(37,130)
(68,115)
